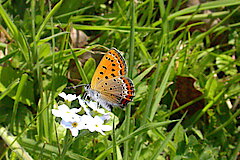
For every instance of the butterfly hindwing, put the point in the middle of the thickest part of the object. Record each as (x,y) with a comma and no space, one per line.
(117,90)
(111,65)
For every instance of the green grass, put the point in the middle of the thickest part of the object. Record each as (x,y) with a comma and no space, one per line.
(162,43)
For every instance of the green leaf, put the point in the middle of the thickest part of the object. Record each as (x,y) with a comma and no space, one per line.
(89,67)
(7,76)
(226,64)
(211,87)
(44,50)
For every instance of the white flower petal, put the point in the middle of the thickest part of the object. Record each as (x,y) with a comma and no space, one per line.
(71,97)
(98,120)
(63,107)
(92,105)
(71,117)
(68,97)
(100,110)
(101,132)
(75,110)
(83,104)
(63,95)
(56,113)
(60,110)
(106,128)
(81,101)
(76,117)
(74,132)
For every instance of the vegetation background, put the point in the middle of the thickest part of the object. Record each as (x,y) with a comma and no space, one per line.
(183,57)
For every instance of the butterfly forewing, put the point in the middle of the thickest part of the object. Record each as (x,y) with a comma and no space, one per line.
(111,65)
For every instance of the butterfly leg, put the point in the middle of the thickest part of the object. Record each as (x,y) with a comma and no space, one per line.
(85,95)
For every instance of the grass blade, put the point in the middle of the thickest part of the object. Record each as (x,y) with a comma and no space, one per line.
(9,88)
(159,149)
(130,74)
(51,13)
(18,37)
(15,146)
(162,88)
(18,95)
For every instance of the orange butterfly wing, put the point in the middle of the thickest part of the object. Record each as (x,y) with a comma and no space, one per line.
(111,65)
(110,82)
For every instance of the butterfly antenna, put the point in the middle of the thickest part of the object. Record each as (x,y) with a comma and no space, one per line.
(74,87)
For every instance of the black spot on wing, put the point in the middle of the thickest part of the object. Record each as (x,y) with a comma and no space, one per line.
(104,67)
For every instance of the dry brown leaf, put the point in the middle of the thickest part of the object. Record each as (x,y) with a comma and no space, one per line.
(186,92)
(78,38)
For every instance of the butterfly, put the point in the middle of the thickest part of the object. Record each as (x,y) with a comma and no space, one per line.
(110,86)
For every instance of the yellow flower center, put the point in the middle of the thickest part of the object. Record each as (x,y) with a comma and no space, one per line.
(74,124)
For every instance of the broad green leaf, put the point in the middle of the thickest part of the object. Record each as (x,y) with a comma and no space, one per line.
(211,87)
(89,67)
(7,76)
(44,50)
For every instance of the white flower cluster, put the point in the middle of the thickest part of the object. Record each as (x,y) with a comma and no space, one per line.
(92,117)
